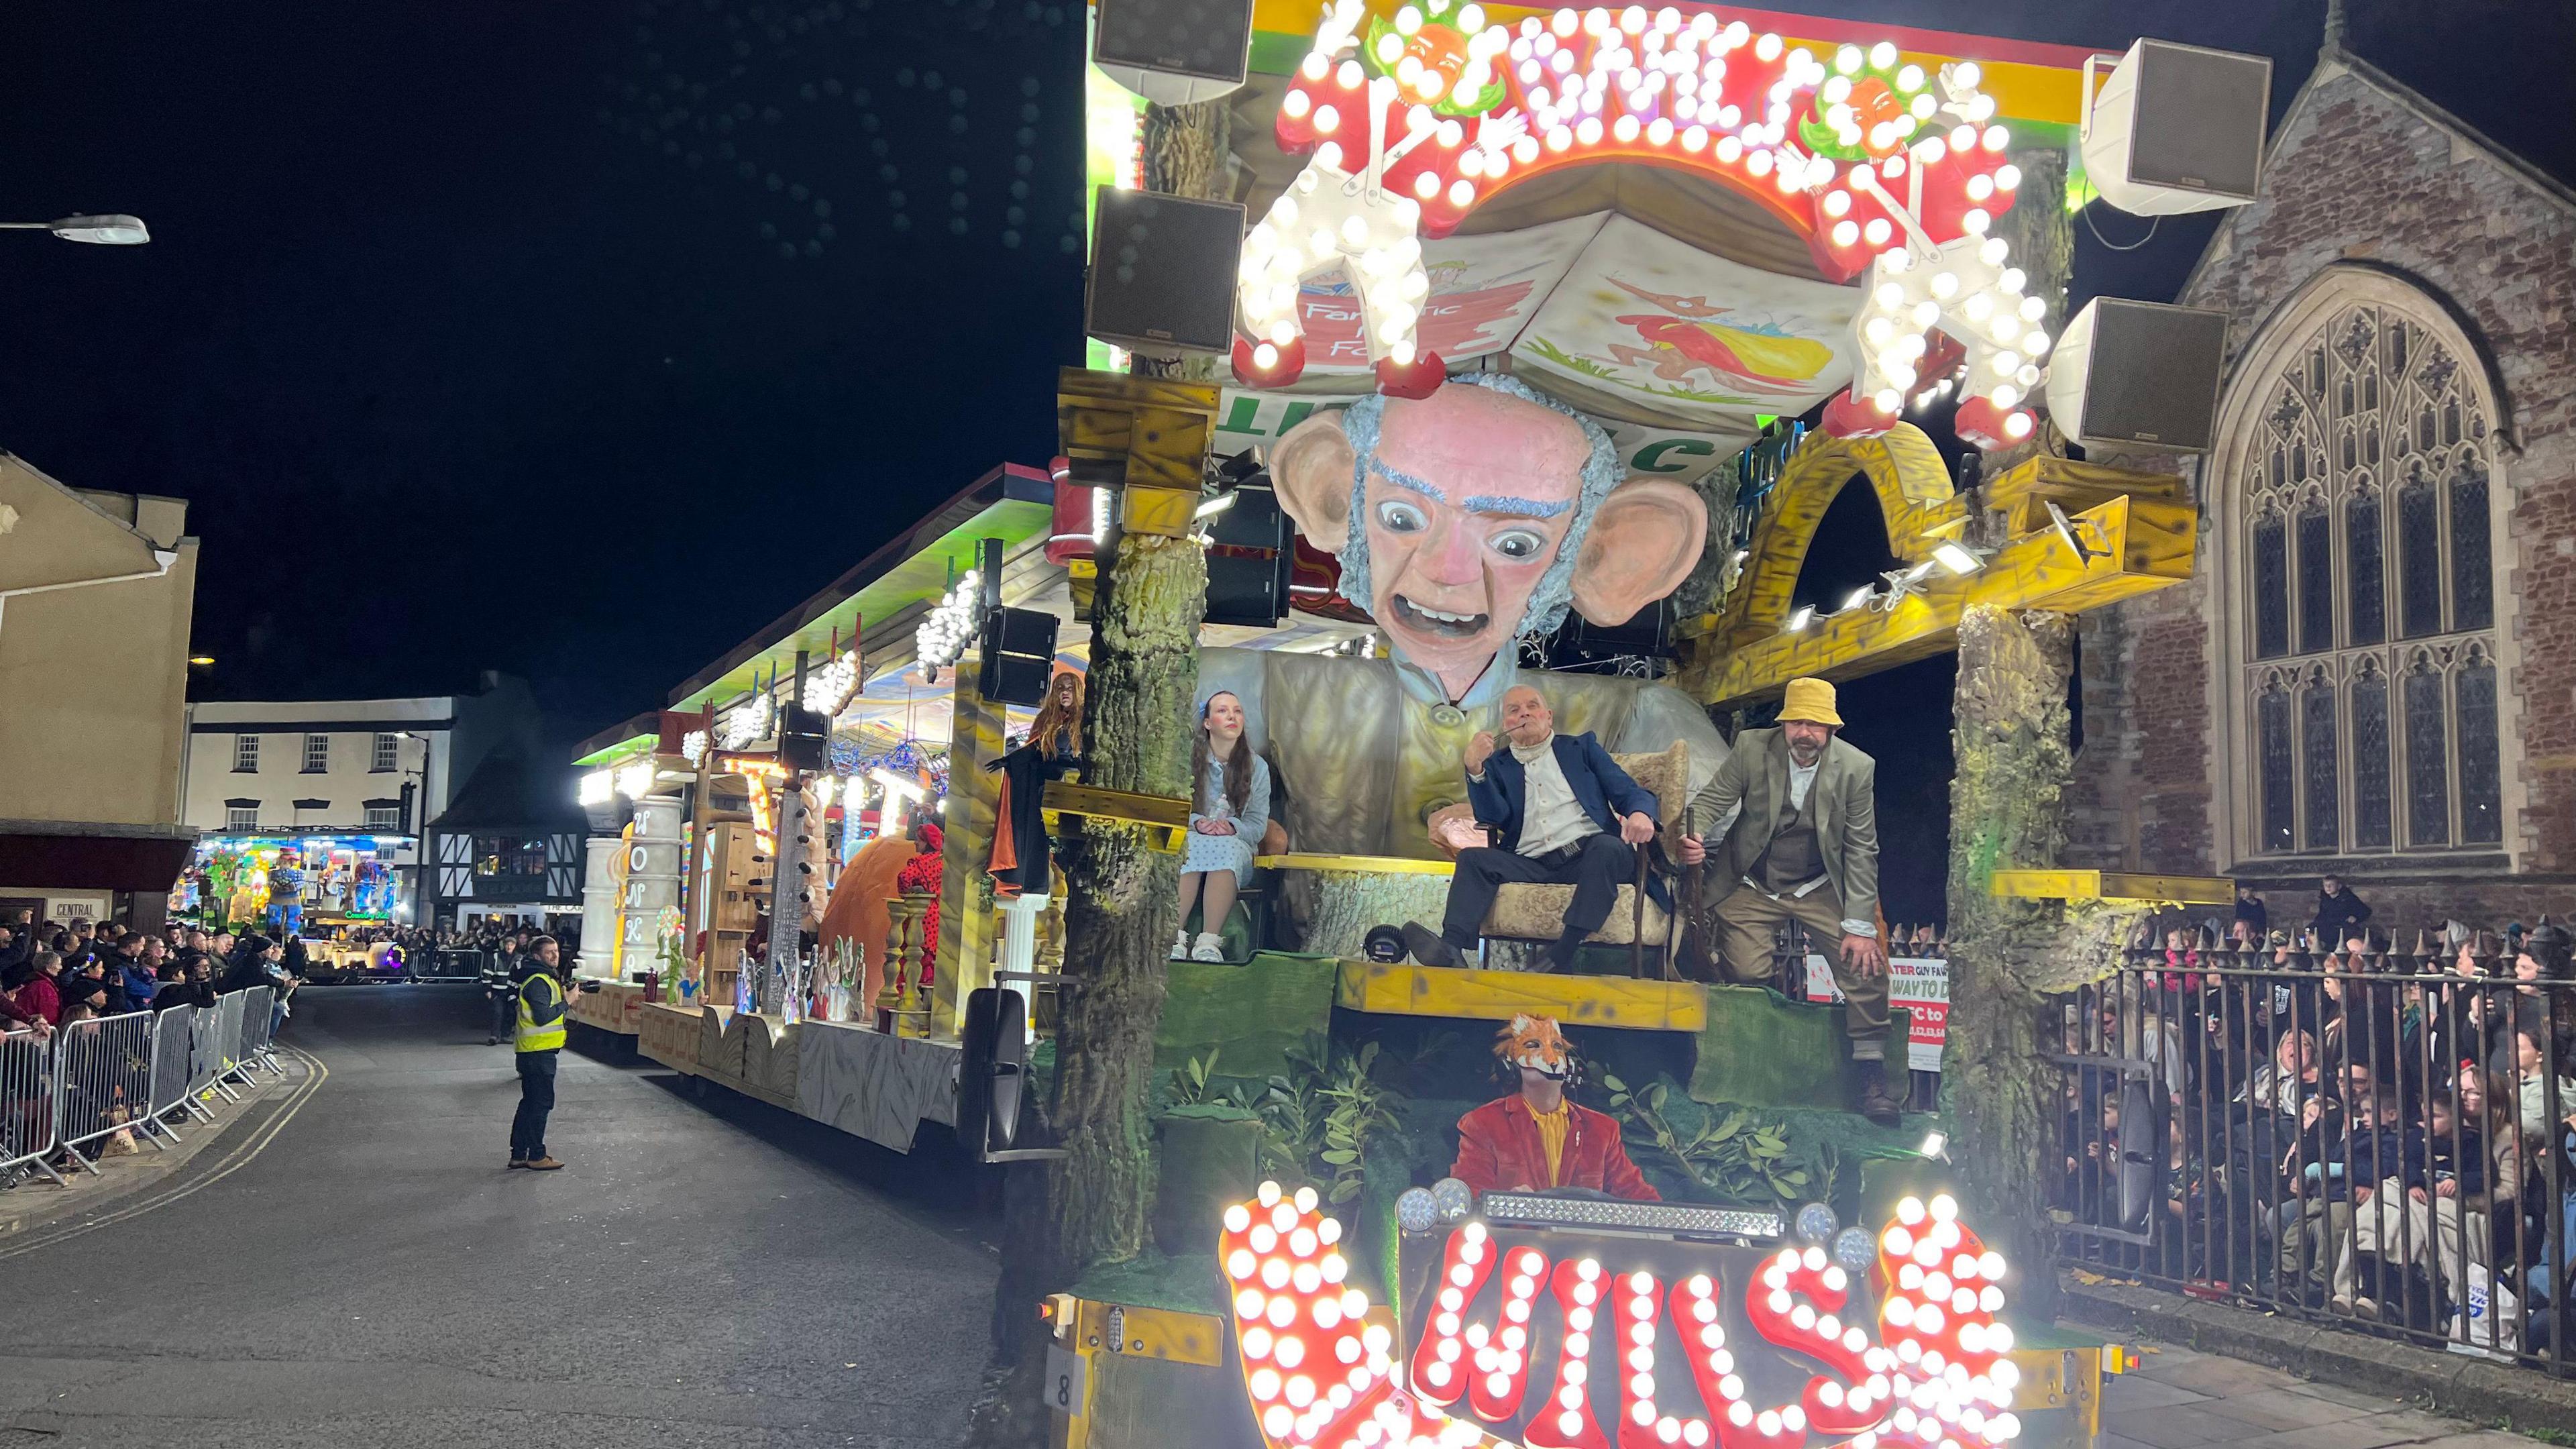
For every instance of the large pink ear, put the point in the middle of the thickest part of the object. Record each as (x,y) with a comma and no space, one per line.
(1311,468)
(1643,543)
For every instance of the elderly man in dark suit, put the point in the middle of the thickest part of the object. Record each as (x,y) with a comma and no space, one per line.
(1569,816)
(1798,811)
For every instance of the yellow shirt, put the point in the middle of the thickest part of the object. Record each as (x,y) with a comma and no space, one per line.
(1551,1138)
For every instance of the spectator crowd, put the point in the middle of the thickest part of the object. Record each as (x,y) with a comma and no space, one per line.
(51,976)
(2326,1120)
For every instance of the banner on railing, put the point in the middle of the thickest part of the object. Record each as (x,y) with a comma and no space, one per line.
(1920,984)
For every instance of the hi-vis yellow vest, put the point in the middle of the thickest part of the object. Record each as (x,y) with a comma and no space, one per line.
(532,1037)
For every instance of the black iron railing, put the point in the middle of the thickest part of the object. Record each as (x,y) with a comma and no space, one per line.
(2373,1138)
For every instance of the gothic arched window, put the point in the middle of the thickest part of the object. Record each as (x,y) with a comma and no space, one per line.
(2359,493)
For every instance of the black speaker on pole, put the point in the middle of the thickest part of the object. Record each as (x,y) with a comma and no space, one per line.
(993,1079)
(1018,647)
(1251,555)
(804,738)
(2139,375)
(1173,51)
(1163,272)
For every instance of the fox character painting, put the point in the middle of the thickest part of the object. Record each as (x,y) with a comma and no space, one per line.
(1689,340)
(1536,1139)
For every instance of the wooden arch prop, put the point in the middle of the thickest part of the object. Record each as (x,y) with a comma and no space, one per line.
(2136,530)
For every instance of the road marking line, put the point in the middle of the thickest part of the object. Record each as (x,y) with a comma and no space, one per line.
(316,1075)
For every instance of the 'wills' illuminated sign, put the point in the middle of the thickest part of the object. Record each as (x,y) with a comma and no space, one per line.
(1563,1351)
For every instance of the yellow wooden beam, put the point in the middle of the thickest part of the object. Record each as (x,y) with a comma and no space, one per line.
(1164,1333)
(1117,429)
(1360,864)
(2126,887)
(1404,989)
(1166,817)
(2132,545)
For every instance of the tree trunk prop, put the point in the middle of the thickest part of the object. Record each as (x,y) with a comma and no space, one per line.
(1122,904)
(2009,957)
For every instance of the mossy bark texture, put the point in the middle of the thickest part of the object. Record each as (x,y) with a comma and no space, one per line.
(2009,958)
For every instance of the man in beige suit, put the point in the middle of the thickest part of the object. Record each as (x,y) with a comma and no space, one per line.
(1797,808)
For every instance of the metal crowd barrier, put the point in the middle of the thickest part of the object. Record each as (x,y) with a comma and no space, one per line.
(259,1019)
(103,1081)
(27,1116)
(2360,1136)
(174,1037)
(89,1080)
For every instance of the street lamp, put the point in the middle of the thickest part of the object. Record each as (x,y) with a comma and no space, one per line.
(105,231)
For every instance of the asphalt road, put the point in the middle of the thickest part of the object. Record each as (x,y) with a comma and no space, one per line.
(705,1272)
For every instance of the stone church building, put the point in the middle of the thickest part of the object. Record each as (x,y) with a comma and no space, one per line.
(2374,672)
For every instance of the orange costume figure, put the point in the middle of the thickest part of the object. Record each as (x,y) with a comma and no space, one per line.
(1537,1139)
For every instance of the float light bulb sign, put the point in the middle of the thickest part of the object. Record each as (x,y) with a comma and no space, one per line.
(1411,121)
(1632,1346)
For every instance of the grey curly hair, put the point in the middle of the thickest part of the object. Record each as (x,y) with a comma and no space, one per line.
(1555,591)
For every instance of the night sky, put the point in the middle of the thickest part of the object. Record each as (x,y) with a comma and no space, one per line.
(580,339)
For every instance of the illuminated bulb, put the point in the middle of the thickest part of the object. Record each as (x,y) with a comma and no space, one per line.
(1845,233)
(1624,129)
(1237,1218)
(1767,49)
(1980,187)
(1927,312)
(1974,221)
(1262,1238)
(1887,400)
(1883,55)
(1302,1243)
(1995,138)
(1847,59)
(1876,233)
(1327,120)
(2011,281)
(1945,285)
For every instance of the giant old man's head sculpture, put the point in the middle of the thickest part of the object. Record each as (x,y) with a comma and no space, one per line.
(1477,515)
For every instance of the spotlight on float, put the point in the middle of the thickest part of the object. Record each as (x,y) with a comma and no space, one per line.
(2176,128)
(1799,620)
(1958,558)
(1935,1148)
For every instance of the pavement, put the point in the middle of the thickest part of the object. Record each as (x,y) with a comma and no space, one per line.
(2182,1399)
(364,1272)
(227,1131)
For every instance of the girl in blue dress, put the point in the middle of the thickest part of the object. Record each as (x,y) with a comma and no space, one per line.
(1230,809)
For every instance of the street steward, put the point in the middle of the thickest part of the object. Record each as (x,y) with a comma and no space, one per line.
(540,1041)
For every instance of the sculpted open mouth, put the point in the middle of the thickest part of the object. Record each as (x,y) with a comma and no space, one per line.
(1437,622)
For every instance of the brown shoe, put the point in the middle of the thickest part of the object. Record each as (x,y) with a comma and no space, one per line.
(541,1164)
(1878,1103)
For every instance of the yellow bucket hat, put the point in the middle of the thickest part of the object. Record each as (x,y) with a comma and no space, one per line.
(1811,700)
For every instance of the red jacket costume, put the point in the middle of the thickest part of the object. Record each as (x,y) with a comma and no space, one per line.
(1499,1149)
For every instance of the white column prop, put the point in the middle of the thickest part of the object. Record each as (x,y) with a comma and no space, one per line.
(1020,949)
(599,908)
(652,879)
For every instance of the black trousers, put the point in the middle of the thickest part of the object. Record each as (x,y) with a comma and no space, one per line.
(1595,866)
(505,1014)
(536,1099)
